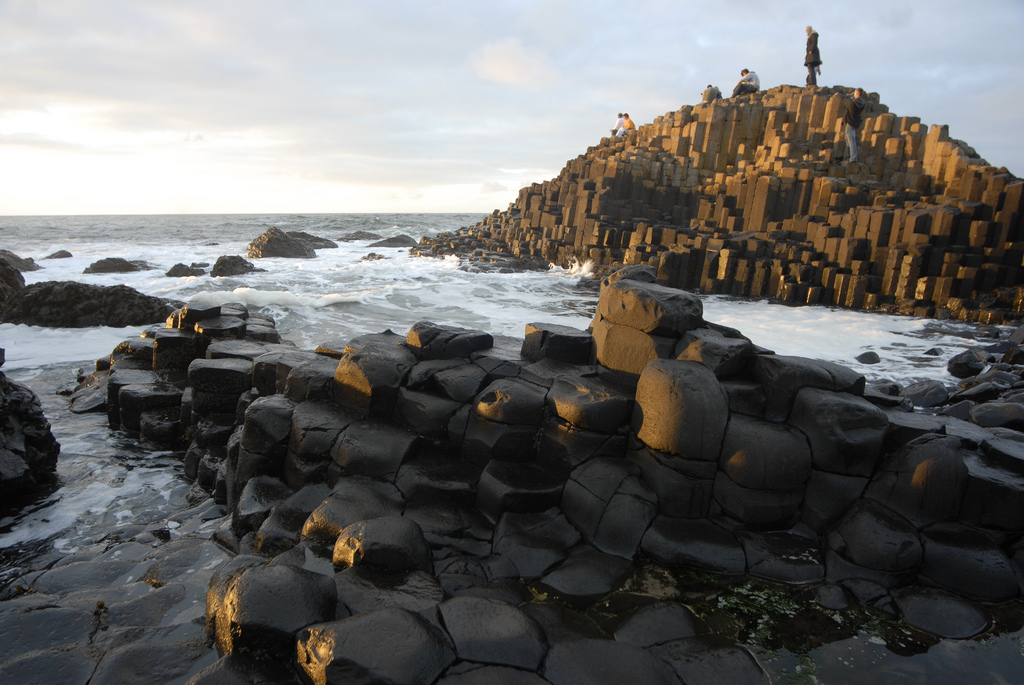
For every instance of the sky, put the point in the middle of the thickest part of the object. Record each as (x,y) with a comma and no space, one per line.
(267,106)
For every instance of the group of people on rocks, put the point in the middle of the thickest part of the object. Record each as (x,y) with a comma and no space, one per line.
(623,125)
(750,83)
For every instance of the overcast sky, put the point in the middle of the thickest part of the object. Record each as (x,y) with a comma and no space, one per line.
(253,106)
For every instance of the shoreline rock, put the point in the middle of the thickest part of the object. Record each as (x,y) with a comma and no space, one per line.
(536,468)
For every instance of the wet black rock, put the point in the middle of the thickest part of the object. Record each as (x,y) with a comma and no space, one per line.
(869,357)
(59,254)
(11,281)
(316,242)
(390,645)
(233,265)
(179,270)
(492,632)
(604,661)
(940,613)
(116,265)
(276,243)
(396,241)
(67,304)
(28,450)
(359,235)
(19,263)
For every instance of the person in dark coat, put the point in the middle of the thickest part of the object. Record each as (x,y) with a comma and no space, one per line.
(854,111)
(813,58)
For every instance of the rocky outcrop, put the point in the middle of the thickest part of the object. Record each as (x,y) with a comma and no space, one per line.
(11,281)
(28,450)
(19,263)
(399,493)
(316,242)
(746,196)
(116,265)
(396,241)
(66,304)
(179,270)
(277,243)
(233,265)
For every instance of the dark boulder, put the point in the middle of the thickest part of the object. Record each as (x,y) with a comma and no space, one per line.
(968,363)
(696,543)
(315,242)
(359,235)
(605,661)
(396,241)
(351,501)
(940,613)
(962,560)
(712,659)
(784,377)
(846,433)
(924,480)
(276,243)
(534,542)
(261,608)
(367,379)
(11,281)
(179,270)
(607,500)
(586,576)
(19,263)
(391,543)
(492,632)
(28,450)
(723,350)
(553,341)
(652,622)
(362,589)
(433,341)
(67,304)
(387,646)
(233,265)
(873,543)
(116,265)
(926,393)
(59,254)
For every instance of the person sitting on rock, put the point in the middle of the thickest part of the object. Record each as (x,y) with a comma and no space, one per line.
(629,126)
(710,94)
(748,83)
(620,126)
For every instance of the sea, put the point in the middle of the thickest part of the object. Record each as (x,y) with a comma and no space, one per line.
(107,483)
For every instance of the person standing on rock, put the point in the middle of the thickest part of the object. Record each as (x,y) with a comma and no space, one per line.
(748,83)
(854,111)
(812,60)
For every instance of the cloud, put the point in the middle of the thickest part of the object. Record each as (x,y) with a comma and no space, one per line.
(508,63)
(493,188)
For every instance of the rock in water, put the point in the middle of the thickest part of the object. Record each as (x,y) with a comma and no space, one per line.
(276,243)
(66,304)
(396,241)
(19,263)
(28,450)
(233,265)
(116,265)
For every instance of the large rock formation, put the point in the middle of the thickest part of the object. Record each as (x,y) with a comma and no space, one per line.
(745,196)
(67,304)
(395,494)
(28,450)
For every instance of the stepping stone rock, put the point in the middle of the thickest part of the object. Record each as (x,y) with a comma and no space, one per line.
(362,589)
(585,662)
(657,623)
(712,659)
(585,576)
(534,542)
(390,645)
(696,543)
(940,613)
(391,543)
(492,632)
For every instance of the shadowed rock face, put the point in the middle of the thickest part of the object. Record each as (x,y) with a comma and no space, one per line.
(28,450)
(65,304)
